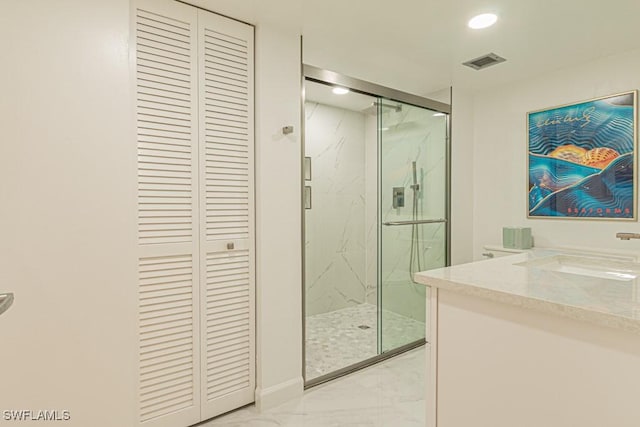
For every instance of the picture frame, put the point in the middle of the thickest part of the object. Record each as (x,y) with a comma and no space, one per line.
(582,161)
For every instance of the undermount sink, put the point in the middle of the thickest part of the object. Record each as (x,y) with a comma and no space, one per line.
(602,268)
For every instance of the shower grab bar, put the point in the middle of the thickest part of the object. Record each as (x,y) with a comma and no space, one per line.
(419,221)
(5,302)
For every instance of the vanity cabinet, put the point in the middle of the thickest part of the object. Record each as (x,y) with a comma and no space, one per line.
(502,366)
(515,343)
(194,110)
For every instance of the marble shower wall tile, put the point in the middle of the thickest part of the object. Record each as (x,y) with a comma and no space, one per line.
(371,210)
(412,134)
(336,276)
(342,230)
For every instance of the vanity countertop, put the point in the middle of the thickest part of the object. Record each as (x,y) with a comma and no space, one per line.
(600,300)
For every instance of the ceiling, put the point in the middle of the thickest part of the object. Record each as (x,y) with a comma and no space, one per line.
(417,46)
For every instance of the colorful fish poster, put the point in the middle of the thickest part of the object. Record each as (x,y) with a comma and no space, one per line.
(582,160)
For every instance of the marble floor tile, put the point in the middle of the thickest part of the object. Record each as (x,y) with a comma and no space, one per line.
(341,338)
(389,394)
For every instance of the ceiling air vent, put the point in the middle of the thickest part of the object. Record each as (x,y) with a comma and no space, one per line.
(484,61)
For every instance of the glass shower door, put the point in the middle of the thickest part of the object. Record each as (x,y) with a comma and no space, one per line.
(341,320)
(412,211)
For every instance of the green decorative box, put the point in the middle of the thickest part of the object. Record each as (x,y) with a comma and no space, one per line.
(517,237)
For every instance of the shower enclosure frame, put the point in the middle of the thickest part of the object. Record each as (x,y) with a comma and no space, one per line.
(331,78)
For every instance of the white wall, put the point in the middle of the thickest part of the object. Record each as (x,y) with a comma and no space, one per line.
(67,211)
(462,177)
(499,166)
(278,216)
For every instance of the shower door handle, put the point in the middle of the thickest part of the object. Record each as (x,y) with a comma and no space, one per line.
(414,222)
(5,302)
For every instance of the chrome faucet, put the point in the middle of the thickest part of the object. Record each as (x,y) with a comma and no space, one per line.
(628,236)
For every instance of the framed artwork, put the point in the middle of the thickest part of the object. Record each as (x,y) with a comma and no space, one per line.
(581,159)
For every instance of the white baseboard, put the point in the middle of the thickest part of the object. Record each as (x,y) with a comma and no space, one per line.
(278,394)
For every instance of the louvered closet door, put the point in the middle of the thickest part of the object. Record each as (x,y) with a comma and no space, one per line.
(226,203)
(167,132)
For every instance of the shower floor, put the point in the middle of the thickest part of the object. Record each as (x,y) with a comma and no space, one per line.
(341,338)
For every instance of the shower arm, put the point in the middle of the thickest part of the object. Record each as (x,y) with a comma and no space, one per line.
(397,107)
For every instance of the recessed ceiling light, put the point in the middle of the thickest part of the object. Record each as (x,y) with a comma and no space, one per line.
(340,90)
(438,114)
(482,21)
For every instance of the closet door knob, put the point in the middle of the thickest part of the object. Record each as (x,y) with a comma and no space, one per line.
(230,245)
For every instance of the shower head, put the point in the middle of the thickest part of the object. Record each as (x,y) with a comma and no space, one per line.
(415,178)
(396,107)
(373,108)
(415,186)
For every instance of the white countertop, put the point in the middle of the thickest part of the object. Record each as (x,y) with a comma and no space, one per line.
(602,301)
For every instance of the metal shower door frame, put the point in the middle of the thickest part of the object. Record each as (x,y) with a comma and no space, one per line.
(331,78)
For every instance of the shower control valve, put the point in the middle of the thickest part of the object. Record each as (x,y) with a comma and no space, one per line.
(398,197)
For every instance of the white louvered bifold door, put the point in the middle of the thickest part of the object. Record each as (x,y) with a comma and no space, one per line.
(168,230)
(225,51)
